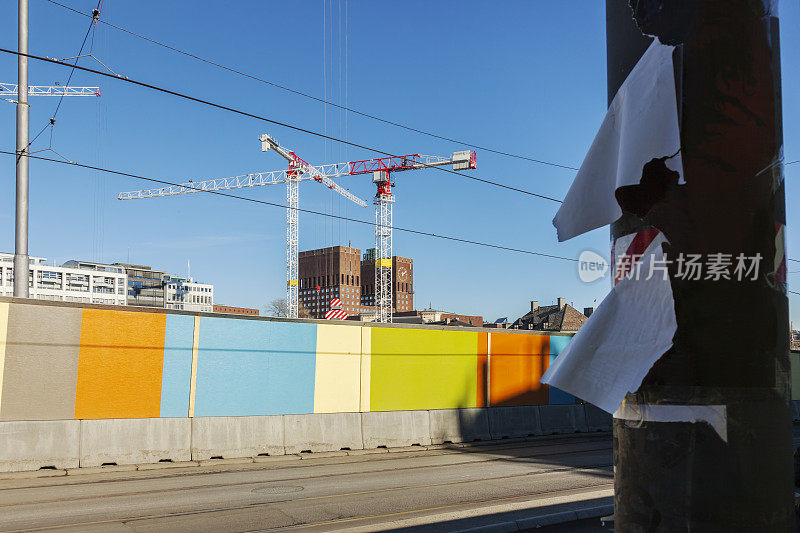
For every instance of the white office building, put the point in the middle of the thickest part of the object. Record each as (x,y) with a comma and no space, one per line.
(186,294)
(75,281)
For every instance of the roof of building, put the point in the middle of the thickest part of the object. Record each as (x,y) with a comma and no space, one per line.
(552,318)
(501,320)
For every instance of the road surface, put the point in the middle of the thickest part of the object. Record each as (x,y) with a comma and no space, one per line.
(442,489)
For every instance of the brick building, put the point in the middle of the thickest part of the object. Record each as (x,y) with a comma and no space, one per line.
(559,317)
(402,282)
(340,272)
(231,310)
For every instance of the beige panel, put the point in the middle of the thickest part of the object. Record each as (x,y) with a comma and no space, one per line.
(3,330)
(41,363)
(337,371)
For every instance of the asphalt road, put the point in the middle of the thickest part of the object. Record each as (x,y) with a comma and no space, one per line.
(434,489)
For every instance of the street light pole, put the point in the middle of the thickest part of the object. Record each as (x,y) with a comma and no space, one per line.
(21,265)
(709,448)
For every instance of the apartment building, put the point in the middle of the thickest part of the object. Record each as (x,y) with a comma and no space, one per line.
(74,281)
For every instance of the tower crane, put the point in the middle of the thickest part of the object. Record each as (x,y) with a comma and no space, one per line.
(381,169)
(299,170)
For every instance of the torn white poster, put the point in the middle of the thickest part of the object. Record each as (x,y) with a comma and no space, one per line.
(630,330)
(715,416)
(641,125)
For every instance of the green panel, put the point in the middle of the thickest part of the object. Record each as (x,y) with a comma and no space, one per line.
(418,369)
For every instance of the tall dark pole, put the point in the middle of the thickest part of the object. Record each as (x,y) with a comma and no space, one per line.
(731,347)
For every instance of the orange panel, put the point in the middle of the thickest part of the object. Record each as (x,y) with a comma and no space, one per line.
(483,362)
(517,363)
(119,365)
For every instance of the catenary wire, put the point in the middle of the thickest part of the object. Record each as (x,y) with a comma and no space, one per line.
(322,100)
(300,210)
(271,121)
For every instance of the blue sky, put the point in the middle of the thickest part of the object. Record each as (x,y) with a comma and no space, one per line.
(527,79)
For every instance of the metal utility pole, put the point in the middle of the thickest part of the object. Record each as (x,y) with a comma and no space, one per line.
(21,267)
(730,351)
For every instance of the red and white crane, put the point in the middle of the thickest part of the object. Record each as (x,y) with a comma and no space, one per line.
(299,170)
(381,170)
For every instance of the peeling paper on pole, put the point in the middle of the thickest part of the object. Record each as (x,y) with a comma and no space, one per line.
(641,125)
(616,347)
(715,416)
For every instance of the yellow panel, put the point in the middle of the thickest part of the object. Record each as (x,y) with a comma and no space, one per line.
(423,369)
(120,363)
(383,263)
(366,360)
(292,282)
(3,333)
(338,369)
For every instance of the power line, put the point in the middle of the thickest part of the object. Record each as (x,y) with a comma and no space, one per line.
(321,100)
(300,210)
(793,292)
(285,125)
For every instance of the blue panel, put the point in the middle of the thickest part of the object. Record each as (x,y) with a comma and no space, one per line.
(177,374)
(253,367)
(557,396)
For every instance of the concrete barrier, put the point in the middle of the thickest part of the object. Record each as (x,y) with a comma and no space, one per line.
(33,445)
(395,428)
(459,425)
(134,440)
(597,419)
(236,436)
(322,432)
(509,422)
(562,419)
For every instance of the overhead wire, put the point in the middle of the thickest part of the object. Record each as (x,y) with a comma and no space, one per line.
(300,210)
(322,100)
(126,79)
(51,122)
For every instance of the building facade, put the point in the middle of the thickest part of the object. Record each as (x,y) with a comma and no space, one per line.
(328,273)
(145,285)
(231,310)
(402,282)
(185,294)
(74,281)
(341,272)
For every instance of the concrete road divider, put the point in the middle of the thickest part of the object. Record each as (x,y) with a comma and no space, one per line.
(134,440)
(236,436)
(563,419)
(510,422)
(459,425)
(395,428)
(322,432)
(597,419)
(35,444)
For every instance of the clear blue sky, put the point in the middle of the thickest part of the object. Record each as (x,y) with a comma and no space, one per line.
(528,78)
